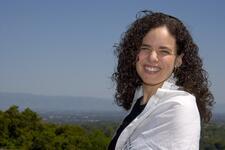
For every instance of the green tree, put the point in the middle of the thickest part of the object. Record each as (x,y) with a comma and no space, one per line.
(26,130)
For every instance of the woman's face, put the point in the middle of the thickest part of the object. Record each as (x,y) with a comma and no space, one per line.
(157,57)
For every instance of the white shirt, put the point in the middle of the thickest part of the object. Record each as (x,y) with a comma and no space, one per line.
(170,121)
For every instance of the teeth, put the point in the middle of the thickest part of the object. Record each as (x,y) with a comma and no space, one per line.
(152,68)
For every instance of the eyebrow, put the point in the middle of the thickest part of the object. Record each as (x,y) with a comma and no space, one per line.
(161,47)
(145,45)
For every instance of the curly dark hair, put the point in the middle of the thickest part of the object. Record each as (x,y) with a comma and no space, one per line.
(190,75)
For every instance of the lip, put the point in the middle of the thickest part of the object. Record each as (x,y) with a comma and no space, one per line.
(151,69)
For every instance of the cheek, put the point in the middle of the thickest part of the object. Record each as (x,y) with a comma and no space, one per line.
(140,57)
(168,63)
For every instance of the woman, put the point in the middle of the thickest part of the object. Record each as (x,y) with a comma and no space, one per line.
(160,78)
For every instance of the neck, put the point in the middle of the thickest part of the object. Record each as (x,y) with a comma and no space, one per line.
(148,91)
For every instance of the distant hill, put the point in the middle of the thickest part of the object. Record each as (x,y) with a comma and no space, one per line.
(56,103)
(40,103)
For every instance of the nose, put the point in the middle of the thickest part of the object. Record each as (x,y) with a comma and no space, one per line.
(153,56)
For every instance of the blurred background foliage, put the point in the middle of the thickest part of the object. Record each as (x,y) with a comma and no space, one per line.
(26,130)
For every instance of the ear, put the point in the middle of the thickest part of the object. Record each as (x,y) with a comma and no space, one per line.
(137,58)
(178,62)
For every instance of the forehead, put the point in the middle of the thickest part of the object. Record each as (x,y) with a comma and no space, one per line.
(159,36)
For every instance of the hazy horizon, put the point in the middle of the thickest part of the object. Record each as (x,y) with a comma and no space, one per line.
(65,103)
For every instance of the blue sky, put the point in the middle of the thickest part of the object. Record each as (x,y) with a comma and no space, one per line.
(55,47)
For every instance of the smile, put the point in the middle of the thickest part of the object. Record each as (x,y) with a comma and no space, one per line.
(152,69)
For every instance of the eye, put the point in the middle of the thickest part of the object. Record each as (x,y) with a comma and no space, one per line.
(165,52)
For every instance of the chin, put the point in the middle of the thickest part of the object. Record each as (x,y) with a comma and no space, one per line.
(152,83)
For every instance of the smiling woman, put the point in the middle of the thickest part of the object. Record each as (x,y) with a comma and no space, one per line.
(160,78)
(156,60)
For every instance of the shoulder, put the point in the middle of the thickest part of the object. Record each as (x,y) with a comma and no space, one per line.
(179,105)
(176,97)
(175,119)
